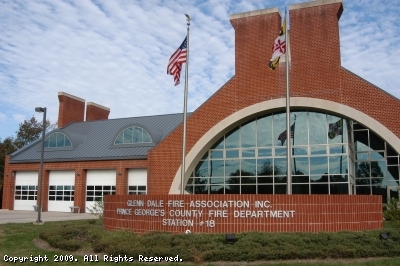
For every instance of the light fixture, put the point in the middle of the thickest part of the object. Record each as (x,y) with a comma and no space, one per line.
(39,199)
(230,238)
(78,174)
(383,236)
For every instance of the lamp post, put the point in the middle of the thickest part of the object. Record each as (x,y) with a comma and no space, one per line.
(39,199)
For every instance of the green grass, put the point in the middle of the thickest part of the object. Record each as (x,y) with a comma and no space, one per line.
(343,248)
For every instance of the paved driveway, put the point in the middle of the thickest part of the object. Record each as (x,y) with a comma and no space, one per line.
(7,216)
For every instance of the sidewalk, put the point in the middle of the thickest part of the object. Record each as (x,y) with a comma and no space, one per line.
(7,216)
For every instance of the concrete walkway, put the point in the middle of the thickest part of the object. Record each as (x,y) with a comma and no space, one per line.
(7,216)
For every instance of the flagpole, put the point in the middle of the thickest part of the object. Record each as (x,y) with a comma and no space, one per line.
(185,107)
(289,153)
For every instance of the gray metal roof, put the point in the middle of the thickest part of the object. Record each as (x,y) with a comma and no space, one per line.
(94,140)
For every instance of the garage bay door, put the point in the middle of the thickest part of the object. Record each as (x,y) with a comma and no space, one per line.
(137,181)
(98,184)
(61,190)
(25,192)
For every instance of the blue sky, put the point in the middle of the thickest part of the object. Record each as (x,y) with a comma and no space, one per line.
(115,53)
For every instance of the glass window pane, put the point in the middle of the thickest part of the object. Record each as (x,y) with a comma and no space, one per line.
(318,128)
(280,189)
(377,155)
(216,189)
(361,156)
(338,178)
(300,166)
(232,168)
(128,135)
(280,166)
(232,139)
(248,134)
(300,179)
(201,169)
(53,141)
(318,150)
(264,152)
(120,138)
(232,180)
(339,189)
(265,167)
(300,189)
(279,124)
(217,180)
(338,165)
(337,149)
(301,128)
(232,189)
(280,151)
(337,129)
(264,131)
(201,181)
(137,135)
(393,173)
(363,190)
(319,165)
(249,167)
(362,169)
(232,154)
(361,140)
(201,189)
(265,180)
(146,137)
(248,153)
(378,169)
(60,140)
(217,154)
(265,189)
(248,189)
(320,189)
(300,151)
(376,142)
(217,168)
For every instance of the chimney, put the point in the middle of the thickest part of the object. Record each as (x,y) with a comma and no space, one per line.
(96,112)
(71,109)
(315,47)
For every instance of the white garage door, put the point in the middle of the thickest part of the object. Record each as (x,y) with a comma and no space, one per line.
(98,184)
(25,192)
(61,190)
(137,181)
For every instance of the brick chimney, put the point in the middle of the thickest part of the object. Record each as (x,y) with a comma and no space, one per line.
(96,112)
(71,109)
(315,47)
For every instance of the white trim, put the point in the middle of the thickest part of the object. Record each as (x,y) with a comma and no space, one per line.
(208,139)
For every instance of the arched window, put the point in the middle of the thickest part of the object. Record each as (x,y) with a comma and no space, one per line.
(57,140)
(133,135)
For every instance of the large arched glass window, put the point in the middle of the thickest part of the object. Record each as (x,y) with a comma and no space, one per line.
(133,135)
(251,158)
(331,155)
(57,140)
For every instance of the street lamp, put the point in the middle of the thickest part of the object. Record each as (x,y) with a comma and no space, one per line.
(39,208)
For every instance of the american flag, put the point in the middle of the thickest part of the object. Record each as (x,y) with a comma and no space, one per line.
(176,60)
(282,137)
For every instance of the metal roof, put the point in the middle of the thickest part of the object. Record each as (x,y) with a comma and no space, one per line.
(94,140)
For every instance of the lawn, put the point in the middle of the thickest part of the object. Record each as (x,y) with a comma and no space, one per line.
(78,241)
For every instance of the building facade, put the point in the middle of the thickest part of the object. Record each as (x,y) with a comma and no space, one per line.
(343,130)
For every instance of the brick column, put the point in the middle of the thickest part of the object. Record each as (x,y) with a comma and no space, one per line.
(80,189)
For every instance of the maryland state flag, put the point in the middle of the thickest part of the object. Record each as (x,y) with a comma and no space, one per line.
(335,129)
(279,47)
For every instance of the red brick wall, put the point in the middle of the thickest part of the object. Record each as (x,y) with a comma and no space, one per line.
(80,168)
(71,109)
(94,112)
(306,213)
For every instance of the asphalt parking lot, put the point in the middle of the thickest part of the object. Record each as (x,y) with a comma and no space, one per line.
(7,216)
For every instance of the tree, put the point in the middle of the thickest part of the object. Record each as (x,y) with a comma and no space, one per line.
(30,130)
(6,147)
